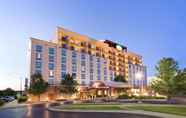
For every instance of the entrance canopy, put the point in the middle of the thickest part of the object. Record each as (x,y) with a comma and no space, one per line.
(109,84)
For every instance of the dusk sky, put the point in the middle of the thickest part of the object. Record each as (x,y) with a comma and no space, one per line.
(151,28)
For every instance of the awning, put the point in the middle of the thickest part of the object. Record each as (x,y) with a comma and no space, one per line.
(106,84)
(116,84)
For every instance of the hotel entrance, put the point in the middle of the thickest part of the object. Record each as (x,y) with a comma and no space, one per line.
(103,89)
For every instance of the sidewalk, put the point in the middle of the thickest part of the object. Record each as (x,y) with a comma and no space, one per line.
(161,115)
(13,104)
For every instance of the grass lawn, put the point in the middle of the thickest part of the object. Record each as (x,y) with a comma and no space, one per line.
(169,109)
(91,107)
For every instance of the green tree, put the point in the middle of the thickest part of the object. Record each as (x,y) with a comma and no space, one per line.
(9,92)
(180,83)
(37,85)
(167,69)
(68,85)
(120,78)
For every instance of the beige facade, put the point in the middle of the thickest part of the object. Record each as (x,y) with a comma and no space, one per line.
(87,59)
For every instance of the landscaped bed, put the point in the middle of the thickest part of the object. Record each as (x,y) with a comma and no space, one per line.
(169,109)
(91,107)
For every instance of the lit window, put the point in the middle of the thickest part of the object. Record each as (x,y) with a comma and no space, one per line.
(38,56)
(83,69)
(51,73)
(99,92)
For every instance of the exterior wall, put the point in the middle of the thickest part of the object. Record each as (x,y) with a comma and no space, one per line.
(96,60)
(97,64)
(137,76)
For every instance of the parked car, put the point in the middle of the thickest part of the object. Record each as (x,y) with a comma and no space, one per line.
(7,98)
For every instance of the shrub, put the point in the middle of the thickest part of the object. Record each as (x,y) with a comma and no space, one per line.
(22,99)
(160,97)
(124,96)
(1,102)
(148,97)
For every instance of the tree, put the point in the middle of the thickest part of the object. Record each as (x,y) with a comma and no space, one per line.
(37,85)
(9,92)
(167,69)
(68,85)
(180,83)
(120,78)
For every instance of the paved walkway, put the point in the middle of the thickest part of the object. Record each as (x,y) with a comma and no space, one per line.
(162,115)
(13,104)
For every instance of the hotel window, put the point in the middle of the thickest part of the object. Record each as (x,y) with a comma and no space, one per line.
(91,58)
(38,71)
(51,73)
(111,75)
(74,75)
(72,48)
(105,73)
(51,66)
(51,51)
(38,65)
(63,67)
(89,52)
(63,74)
(83,69)
(63,59)
(38,48)
(83,51)
(83,56)
(51,80)
(89,45)
(51,58)
(63,52)
(83,83)
(64,46)
(74,69)
(91,76)
(74,61)
(38,56)
(98,69)
(74,54)
(65,38)
(83,76)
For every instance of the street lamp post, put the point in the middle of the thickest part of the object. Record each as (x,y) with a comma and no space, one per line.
(20,86)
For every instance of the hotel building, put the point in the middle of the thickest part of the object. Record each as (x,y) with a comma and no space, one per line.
(86,59)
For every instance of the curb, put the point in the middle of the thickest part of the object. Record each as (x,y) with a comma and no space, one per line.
(138,112)
(12,107)
(19,105)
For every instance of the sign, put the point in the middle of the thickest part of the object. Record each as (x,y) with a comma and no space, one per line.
(118,47)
